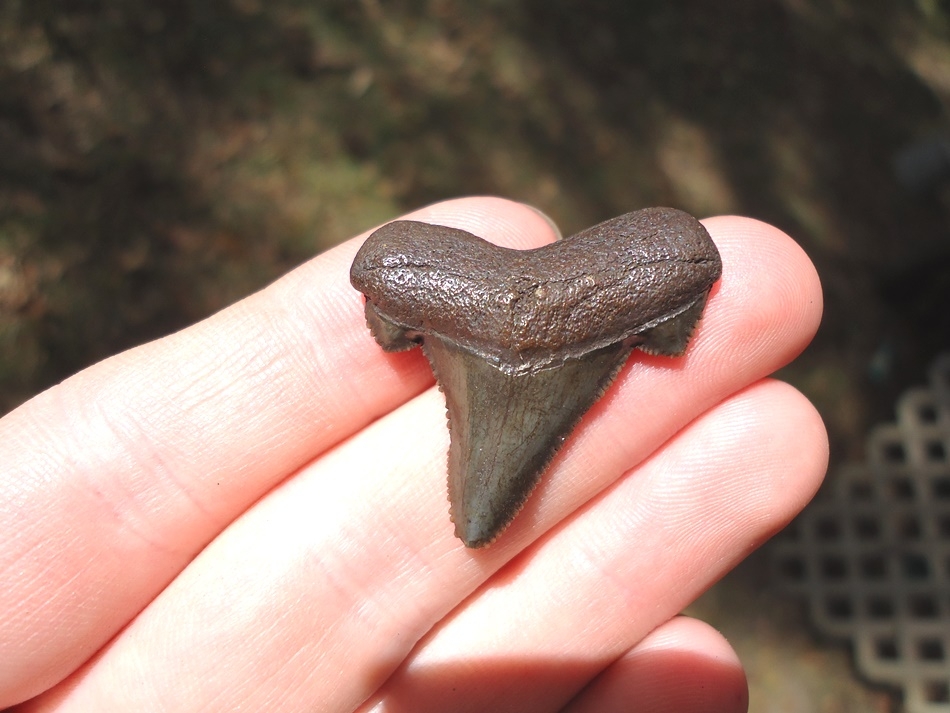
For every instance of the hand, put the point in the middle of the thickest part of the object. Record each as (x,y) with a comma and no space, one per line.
(251,513)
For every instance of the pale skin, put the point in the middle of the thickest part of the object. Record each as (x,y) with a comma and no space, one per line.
(251,513)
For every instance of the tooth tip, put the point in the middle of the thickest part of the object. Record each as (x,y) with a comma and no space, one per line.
(475,535)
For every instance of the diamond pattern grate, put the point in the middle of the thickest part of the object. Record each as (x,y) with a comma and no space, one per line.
(873,557)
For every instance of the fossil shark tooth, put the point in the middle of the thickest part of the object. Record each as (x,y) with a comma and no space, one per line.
(523,342)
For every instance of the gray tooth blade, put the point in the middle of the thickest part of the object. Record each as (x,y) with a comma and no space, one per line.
(505,429)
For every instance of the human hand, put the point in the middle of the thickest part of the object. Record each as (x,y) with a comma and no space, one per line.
(251,513)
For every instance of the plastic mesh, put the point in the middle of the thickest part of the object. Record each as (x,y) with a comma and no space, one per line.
(873,557)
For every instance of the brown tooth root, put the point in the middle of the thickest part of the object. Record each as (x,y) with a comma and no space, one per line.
(523,342)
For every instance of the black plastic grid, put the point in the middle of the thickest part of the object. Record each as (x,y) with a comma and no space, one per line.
(873,556)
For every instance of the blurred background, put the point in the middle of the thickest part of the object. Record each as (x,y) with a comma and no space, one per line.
(159,161)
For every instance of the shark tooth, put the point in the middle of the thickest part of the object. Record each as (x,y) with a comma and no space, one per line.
(524,342)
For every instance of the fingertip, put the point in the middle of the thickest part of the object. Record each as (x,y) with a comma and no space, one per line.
(768,304)
(753,248)
(683,665)
(498,220)
(765,452)
(802,433)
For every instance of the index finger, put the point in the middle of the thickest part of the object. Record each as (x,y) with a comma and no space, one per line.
(125,471)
